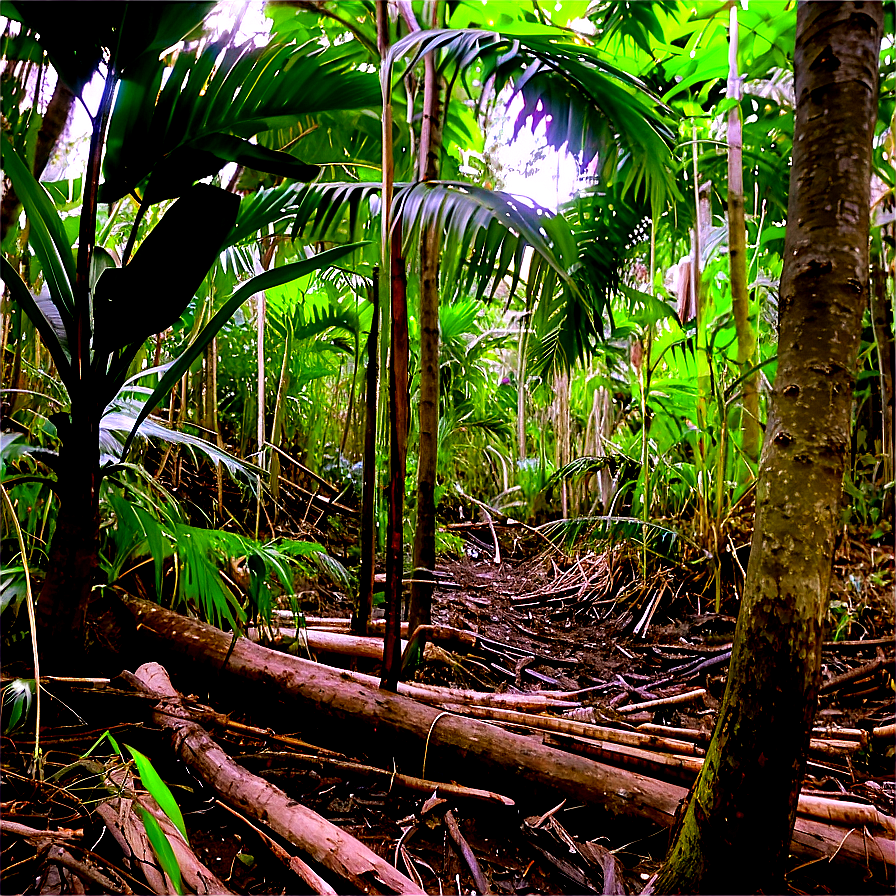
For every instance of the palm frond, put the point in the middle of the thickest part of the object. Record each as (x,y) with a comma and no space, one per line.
(212,103)
(485,234)
(595,108)
(118,422)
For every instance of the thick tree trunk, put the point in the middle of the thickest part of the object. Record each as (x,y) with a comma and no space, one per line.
(64,597)
(734,834)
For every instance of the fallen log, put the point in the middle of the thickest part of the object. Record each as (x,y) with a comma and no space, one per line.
(342,697)
(320,641)
(253,796)
(580,729)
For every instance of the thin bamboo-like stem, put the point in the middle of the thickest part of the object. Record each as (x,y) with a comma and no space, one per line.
(32,625)
(260,436)
(737,250)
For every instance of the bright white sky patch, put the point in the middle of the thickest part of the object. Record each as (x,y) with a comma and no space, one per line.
(549,181)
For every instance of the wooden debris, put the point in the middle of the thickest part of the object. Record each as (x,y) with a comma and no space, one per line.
(128,830)
(88,872)
(857,674)
(580,729)
(687,697)
(396,780)
(319,687)
(255,797)
(29,833)
(294,863)
(463,850)
(318,641)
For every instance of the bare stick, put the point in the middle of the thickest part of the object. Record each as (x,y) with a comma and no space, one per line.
(294,863)
(686,697)
(467,854)
(22,830)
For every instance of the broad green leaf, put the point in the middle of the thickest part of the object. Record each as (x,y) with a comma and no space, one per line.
(45,316)
(47,232)
(152,292)
(214,101)
(158,790)
(162,848)
(158,545)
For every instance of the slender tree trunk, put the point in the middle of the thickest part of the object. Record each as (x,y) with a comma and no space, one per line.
(361,617)
(738,821)
(398,442)
(882,321)
(737,252)
(420,611)
(261,319)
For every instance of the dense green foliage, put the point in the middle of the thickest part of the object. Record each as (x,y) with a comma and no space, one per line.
(568,356)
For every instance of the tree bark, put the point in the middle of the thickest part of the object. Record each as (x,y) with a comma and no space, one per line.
(420,610)
(361,616)
(51,128)
(337,851)
(744,803)
(65,595)
(398,446)
(751,434)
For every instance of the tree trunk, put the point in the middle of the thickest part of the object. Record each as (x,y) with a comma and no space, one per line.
(398,446)
(737,251)
(734,833)
(882,321)
(420,611)
(361,616)
(51,128)
(64,597)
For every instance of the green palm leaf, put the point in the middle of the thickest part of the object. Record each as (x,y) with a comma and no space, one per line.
(47,233)
(484,233)
(598,110)
(212,103)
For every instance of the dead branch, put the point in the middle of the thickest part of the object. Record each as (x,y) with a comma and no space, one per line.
(687,697)
(90,875)
(326,843)
(23,830)
(294,863)
(344,696)
(463,850)
(395,779)
(581,729)
(856,674)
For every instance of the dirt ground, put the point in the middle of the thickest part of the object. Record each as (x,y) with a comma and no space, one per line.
(545,622)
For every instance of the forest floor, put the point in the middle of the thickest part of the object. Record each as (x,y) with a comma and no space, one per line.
(546,622)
